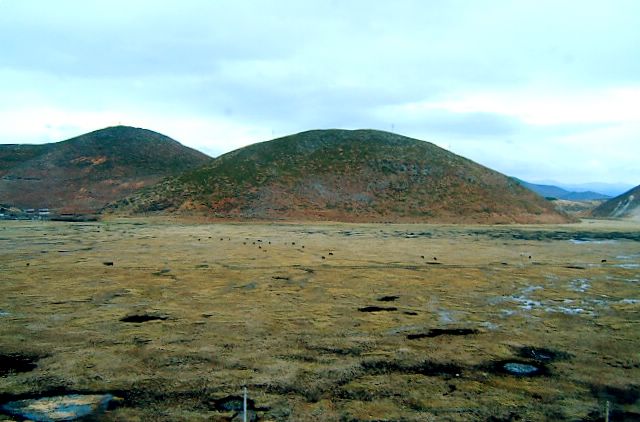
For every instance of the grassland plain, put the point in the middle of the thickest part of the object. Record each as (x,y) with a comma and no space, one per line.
(324,321)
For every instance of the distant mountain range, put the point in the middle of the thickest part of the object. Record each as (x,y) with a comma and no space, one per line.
(610,189)
(85,173)
(550,191)
(626,205)
(342,175)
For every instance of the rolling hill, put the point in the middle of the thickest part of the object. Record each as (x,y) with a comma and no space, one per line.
(85,173)
(626,205)
(342,175)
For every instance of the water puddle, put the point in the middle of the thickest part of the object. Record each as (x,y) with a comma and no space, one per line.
(59,408)
(518,368)
(583,241)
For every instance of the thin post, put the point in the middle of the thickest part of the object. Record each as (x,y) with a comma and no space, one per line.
(244,406)
(606,412)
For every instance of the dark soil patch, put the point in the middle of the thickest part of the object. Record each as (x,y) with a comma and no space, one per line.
(389,298)
(517,368)
(17,362)
(163,271)
(510,417)
(540,354)
(443,332)
(336,350)
(614,415)
(378,309)
(232,404)
(427,368)
(622,395)
(108,263)
(143,318)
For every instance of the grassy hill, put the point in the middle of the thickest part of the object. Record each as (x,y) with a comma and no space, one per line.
(626,205)
(341,175)
(89,171)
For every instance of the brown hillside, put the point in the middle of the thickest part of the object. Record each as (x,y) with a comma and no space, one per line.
(85,173)
(340,175)
(626,205)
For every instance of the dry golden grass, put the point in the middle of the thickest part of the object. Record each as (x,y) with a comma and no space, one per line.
(241,304)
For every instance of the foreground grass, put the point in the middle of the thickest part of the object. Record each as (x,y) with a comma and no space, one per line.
(287,311)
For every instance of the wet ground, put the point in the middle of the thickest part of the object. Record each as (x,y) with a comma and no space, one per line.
(323,321)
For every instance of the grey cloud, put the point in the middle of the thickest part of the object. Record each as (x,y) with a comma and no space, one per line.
(292,66)
(447,125)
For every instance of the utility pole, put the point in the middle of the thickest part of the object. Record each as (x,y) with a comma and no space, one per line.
(244,406)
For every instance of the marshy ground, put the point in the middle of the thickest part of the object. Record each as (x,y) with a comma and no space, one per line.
(324,321)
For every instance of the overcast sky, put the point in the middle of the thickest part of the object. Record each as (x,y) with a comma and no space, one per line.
(542,90)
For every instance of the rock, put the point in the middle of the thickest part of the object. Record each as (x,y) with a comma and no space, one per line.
(59,408)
